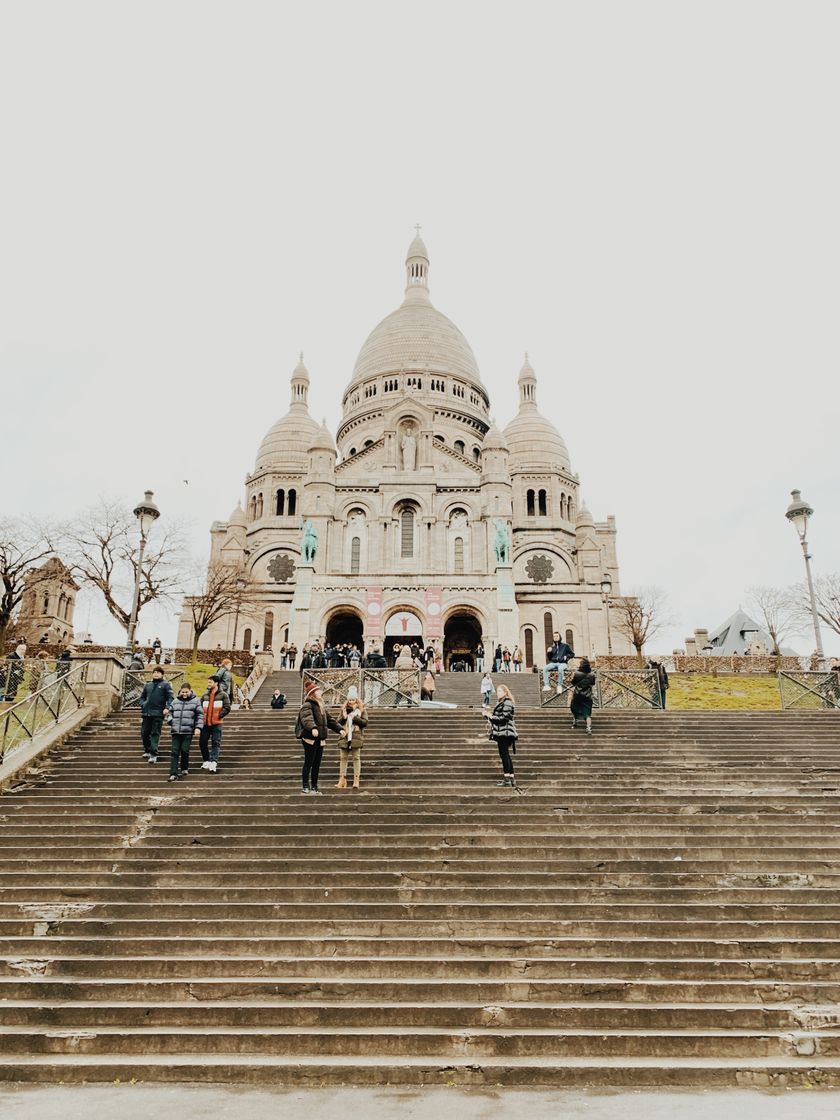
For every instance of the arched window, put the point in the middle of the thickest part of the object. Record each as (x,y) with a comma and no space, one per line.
(59,609)
(407,532)
(476,453)
(529,503)
(459,446)
(246,639)
(286,636)
(368,443)
(259,505)
(67,605)
(355,555)
(440,439)
(529,647)
(571,510)
(548,630)
(570,637)
(459,556)
(543,502)
(291,503)
(252,507)
(280,506)
(352,450)
(563,506)
(46,602)
(268,630)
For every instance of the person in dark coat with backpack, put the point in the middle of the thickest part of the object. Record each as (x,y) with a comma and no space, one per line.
(583,682)
(155,701)
(662,674)
(311,727)
(503,732)
(186,718)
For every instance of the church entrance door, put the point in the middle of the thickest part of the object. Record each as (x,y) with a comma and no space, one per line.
(402,628)
(346,628)
(461,636)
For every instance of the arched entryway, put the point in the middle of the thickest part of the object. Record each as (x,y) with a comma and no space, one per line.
(403,627)
(345,628)
(461,636)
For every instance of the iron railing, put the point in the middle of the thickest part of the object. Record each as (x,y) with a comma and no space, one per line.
(625,689)
(812,691)
(135,679)
(380,688)
(19,678)
(45,708)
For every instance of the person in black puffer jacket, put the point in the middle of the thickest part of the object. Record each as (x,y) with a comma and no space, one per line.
(503,733)
(187,718)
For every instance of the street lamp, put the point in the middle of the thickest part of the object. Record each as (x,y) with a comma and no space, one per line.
(606,588)
(147,514)
(797,514)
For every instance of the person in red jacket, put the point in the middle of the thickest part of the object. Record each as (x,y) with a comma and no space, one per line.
(215,705)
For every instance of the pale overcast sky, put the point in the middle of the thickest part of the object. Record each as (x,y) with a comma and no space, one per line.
(642,195)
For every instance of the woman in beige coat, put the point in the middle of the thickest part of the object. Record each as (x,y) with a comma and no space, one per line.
(353,720)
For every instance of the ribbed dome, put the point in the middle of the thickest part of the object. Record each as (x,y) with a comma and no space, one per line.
(534,442)
(287,442)
(584,519)
(238,516)
(416,337)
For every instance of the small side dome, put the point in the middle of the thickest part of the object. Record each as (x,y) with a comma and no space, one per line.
(238,516)
(323,440)
(494,440)
(584,519)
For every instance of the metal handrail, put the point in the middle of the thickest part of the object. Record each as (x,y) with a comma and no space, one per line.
(380,688)
(809,691)
(135,680)
(622,688)
(43,709)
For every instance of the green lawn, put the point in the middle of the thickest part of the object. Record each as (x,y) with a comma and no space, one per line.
(704,692)
(197,675)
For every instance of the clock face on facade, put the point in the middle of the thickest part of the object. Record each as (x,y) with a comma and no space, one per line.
(539,569)
(281,568)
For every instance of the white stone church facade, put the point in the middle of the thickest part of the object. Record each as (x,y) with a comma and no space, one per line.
(426,521)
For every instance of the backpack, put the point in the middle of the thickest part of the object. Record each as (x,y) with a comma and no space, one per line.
(299,729)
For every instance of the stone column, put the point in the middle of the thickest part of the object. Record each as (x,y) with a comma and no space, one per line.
(299,620)
(507,611)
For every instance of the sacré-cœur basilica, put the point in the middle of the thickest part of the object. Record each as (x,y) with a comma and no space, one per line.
(421,519)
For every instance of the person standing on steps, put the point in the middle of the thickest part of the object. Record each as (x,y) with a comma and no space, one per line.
(662,675)
(486,689)
(187,718)
(155,702)
(354,718)
(559,656)
(497,660)
(278,699)
(224,675)
(215,705)
(503,732)
(427,687)
(583,683)
(311,727)
(479,658)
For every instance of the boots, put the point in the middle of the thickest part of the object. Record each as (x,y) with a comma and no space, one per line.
(341,783)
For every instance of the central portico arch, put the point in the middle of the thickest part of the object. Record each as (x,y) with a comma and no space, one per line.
(462,634)
(403,626)
(345,627)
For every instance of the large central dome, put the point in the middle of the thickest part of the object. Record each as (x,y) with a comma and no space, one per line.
(416,337)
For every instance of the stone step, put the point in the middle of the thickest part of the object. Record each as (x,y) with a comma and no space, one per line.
(325,1070)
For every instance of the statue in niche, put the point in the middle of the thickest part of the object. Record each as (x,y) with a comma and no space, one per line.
(408,447)
(309,542)
(502,542)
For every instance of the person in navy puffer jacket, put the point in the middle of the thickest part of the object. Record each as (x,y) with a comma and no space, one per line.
(187,718)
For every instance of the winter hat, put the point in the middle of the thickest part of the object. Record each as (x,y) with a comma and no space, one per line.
(310,687)
(352,693)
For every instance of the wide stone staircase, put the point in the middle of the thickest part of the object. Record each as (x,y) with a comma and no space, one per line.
(655,905)
(464,689)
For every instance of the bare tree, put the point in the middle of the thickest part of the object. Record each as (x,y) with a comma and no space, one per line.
(103,550)
(24,546)
(778,611)
(640,616)
(225,591)
(827,594)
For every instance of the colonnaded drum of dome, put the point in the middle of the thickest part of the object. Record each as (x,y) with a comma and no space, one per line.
(419,516)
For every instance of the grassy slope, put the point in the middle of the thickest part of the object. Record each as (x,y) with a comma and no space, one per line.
(197,675)
(702,692)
